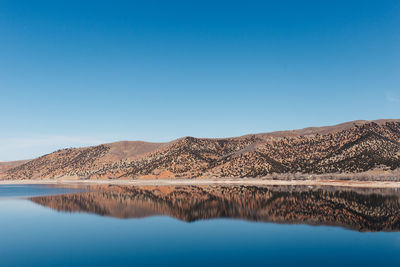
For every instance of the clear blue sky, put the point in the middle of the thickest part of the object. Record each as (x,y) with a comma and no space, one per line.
(76,73)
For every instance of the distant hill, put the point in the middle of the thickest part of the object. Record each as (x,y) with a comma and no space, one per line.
(5,166)
(350,147)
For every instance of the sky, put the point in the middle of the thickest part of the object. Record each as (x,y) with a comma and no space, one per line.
(77,73)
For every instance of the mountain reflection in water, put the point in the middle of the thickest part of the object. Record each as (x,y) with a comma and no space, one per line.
(357,209)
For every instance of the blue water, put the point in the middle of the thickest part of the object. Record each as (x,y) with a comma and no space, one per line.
(34,235)
(32,190)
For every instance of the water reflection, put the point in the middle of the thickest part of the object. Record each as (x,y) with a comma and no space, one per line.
(357,209)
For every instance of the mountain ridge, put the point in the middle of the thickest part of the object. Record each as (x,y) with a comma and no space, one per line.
(350,147)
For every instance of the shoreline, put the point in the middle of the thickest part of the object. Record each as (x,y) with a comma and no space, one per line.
(243,181)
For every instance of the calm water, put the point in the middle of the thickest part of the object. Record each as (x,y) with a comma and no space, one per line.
(205,225)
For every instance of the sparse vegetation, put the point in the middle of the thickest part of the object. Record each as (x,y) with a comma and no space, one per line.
(355,149)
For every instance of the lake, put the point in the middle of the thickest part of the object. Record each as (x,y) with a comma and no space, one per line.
(46,225)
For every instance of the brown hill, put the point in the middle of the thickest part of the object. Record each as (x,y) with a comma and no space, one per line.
(5,166)
(351,147)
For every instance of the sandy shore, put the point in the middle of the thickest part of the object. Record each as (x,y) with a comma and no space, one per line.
(244,181)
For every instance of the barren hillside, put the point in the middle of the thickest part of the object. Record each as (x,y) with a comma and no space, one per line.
(351,147)
(5,166)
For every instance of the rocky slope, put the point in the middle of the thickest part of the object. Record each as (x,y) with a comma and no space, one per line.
(351,147)
(5,166)
(358,210)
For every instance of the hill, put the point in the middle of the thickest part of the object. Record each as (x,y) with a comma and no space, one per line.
(351,147)
(5,166)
